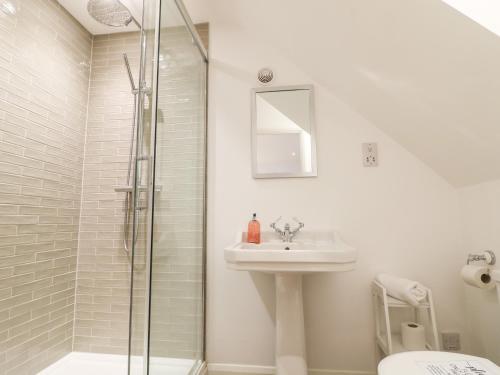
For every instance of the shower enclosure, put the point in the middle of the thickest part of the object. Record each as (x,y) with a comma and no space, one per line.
(168,232)
(102,189)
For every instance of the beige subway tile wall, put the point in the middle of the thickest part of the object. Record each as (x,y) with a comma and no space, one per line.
(103,279)
(44,74)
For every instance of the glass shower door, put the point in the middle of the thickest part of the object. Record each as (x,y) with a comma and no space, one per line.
(167,303)
(139,287)
(176,327)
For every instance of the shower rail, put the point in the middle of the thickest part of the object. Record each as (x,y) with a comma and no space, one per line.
(192,29)
(130,189)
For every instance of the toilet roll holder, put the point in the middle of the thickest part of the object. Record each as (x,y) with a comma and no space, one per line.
(488,257)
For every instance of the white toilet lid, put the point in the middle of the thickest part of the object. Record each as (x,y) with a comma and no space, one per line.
(435,363)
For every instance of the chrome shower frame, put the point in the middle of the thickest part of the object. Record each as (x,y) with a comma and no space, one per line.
(140,93)
(192,29)
(132,191)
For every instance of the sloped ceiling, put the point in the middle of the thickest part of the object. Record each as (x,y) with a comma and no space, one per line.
(484,12)
(420,70)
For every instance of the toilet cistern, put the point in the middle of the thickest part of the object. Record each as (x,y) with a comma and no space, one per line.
(287,234)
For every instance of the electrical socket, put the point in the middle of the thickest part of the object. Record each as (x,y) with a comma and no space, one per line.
(451,341)
(370,154)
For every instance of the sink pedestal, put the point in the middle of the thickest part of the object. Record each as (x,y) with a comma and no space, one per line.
(311,252)
(290,334)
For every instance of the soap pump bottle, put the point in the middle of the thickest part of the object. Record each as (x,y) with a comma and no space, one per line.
(253,234)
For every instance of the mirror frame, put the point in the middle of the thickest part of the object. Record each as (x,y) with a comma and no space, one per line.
(314,172)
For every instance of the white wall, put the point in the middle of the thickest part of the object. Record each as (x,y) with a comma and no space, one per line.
(402,217)
(480,212)
(401,64)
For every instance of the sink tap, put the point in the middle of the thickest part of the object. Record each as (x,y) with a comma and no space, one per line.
(287,234)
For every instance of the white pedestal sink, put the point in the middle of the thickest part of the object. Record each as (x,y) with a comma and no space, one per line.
(288,261)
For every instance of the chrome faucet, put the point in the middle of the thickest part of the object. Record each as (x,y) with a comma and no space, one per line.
(287,234)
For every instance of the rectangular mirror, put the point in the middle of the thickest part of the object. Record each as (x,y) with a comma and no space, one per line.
(283,137)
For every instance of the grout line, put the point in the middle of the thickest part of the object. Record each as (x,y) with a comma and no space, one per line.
(81,191)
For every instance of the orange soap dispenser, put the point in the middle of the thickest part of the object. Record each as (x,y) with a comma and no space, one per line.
(253,235)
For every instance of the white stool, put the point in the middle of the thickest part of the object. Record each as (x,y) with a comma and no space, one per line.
(389,342)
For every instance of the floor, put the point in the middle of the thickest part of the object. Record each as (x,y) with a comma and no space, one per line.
(107,364)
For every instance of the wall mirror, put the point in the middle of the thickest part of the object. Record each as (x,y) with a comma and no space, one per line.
(283,134)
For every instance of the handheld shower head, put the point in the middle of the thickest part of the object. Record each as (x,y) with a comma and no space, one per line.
(110,12)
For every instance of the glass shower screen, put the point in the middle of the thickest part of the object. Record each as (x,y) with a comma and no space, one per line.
(167,315)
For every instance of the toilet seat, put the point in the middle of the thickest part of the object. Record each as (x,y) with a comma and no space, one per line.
(429,363)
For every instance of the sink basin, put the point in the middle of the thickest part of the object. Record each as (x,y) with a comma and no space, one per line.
(309,252)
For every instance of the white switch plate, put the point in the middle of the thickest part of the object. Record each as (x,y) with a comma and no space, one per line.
(370,154)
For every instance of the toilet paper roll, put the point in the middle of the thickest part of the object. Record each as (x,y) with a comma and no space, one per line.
(477,276)
(413,336)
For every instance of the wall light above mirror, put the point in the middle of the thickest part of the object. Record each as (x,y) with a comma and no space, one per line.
(283,132)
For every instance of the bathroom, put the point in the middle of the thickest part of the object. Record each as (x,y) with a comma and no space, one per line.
(129,169)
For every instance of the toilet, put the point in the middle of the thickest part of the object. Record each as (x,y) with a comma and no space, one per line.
(436,363)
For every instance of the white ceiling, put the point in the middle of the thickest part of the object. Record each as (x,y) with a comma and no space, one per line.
(484,12)
(170,14)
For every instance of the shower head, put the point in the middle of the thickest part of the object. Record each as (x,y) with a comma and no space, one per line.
(110,12)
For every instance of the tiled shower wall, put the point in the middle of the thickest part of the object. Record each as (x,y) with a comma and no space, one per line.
(44,74)
(102,302)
